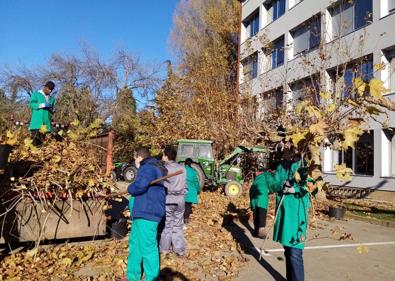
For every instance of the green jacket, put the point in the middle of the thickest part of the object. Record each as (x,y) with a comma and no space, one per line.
(193,185)
(292,216)
(40,116)
(259,191)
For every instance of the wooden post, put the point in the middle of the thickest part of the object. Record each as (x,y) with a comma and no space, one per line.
(110,147)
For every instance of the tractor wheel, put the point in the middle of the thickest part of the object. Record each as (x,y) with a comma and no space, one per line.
(201,175)
(233,189)
(113,176)
(129,174)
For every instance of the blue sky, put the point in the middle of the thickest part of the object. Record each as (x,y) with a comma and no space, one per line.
(31,30)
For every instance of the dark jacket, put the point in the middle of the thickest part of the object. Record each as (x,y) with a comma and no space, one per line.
(149,200)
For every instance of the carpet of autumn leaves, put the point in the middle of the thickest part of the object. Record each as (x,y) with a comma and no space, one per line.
(212,252)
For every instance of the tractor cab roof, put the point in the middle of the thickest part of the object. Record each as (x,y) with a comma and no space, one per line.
(195,141)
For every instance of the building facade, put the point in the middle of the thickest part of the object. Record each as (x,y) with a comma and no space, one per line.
(282,45)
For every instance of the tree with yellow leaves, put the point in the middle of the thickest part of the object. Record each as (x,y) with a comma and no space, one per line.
(199,99)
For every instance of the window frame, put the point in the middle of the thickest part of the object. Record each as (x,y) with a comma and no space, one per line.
(276,50)
(355,68)
(353,154)
(182,150)
(392,149)
(313,83)
(339,8)
(252,24)
(252,62)
(276,4)
(271,100)
(308,26)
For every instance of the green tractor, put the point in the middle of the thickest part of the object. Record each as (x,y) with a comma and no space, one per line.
(227,172)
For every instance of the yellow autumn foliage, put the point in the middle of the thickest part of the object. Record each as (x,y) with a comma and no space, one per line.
(300,106)
(43,129)
(319,128)
(331,107)
(359,85)
(343,172)
(325,95)
(377,88)
(297,137)
(12,138)
(351,136)
(314,111)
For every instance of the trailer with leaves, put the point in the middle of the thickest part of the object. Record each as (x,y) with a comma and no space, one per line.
(56,190)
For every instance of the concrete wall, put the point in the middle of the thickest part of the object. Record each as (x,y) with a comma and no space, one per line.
(377,36)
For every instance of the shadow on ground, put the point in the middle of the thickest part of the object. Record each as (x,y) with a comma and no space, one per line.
(168,274)
(244,241)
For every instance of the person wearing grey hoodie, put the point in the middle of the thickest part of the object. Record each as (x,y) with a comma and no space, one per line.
(172,236)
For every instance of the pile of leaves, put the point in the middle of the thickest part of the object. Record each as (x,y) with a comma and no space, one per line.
(66,166)
(67,262)
(212,252)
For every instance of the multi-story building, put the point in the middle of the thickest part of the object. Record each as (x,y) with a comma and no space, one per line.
(281,52)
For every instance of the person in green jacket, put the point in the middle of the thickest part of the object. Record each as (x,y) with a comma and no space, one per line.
(193,189)
(259,200)
(42,105)
(293,203)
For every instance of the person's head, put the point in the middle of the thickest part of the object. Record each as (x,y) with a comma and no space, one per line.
(48,87)
(263,164)
(169,154)
(188,162)
(289,151)
(140,154)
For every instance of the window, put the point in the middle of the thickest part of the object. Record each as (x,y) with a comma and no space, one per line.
(275,9)
(308,88)
(360,159)
(278,8)
(391,6)
(365,71)
(250,67)
(393,156)
(364,154)
(390,57)
(387,7)
(345,157)
(186,150)
(271,101)
(343,77)
(307,36)
(349,15)
(267,103)
(279,98)
(252,24)
(388,153)
(278,52)
(392,74)
(205,151)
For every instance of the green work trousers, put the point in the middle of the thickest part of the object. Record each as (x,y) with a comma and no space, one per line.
(143,248)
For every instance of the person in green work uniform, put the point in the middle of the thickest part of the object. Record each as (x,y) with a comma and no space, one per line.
(147,210)
(193,189)
(42,105)
(293,203)
(259,199)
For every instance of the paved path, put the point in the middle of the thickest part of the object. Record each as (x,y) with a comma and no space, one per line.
(326,257)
